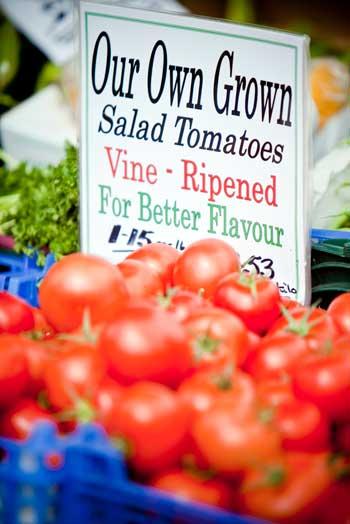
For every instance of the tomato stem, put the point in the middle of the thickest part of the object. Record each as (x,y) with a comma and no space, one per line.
(88,334)
(82,412)
(205,344)
(123,445)
(340,468)
(190,467)
(266,415)
(275,476)
(249,281)
(224,380)
(165,300)
(43,400)
(302,326)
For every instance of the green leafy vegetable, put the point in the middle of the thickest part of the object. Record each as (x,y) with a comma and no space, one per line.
(39,206)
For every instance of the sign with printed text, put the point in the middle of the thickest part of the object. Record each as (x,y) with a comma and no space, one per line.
(194,128)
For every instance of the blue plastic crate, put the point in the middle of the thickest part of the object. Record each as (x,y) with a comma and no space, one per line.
(87,484)
(320,235)
(20,275)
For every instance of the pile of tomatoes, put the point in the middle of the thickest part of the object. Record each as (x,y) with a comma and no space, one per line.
(214,387)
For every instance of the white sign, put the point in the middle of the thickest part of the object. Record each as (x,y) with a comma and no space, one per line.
(194,128)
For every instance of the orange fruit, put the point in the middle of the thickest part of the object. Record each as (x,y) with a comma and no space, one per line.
(330,86)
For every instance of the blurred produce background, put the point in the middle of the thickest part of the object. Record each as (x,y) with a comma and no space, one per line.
(40,86)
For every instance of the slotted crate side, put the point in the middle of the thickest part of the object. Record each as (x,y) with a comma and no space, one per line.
(10,265)
(21,276)
(29,486)
(87,485)
(128,503)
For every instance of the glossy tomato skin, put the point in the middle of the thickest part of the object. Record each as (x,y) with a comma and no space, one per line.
(324,379)
(74,373)
(339,311)
(106,400)
(216,337)
(14,375)
(304,479)
(140,279)
(37,355)
(153,421)
(254,299)
(289,303)
(79,283)
(146,343)
(274,392)
(303,427)
(203,264)
(253,343)
(182,303)
(160,258)
(15,314)
(231,439)
(187,486)
(20,419)
(200,391)
(276,356)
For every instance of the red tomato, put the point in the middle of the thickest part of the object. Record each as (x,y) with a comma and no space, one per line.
(286,492)
(20,419)
(252,344)
(153,422)
(303,427)
(253,341)
(339,311)
(37,355)
(323,378)
(276,356)
(231,439)
(146,343)
(74,373)
(255,299)
(106,399)
(181,302)
(159,257)
(216,337)
(314,325)
(80,283)
(273,392)
(203,264)
(15,314)
(200,391)
(140,279)
(193,488)
(14,376)
(289,303)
